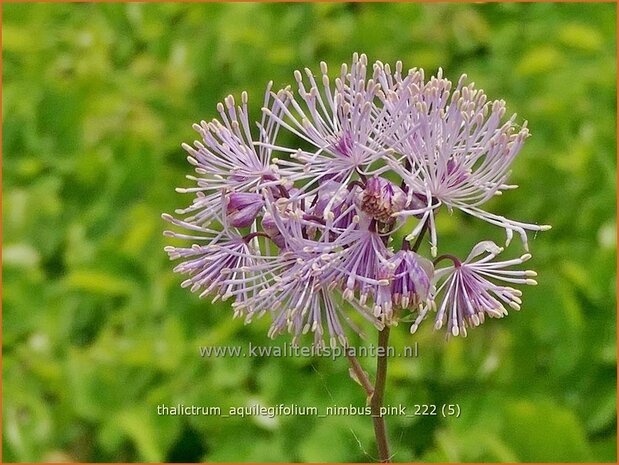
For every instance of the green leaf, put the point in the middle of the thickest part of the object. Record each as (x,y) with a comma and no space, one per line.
(540,60)
(545,432)
(98,282)
(581,36)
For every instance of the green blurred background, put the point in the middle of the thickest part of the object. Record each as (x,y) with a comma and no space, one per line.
(97,99)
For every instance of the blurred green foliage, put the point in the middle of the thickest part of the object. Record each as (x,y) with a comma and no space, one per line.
(96,331)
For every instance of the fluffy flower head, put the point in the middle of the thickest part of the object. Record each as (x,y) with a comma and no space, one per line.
(323,232)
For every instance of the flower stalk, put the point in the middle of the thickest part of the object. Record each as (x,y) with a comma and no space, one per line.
(380,429)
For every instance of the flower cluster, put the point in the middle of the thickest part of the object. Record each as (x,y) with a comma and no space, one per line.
(297,212)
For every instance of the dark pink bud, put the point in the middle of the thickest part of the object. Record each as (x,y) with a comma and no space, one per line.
(243,207)
(269,226)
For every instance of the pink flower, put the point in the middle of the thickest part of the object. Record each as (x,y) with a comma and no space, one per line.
(369,154)
(470,289)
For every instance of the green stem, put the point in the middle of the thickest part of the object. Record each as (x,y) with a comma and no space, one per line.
(417,244)
(380,430)
(377,393)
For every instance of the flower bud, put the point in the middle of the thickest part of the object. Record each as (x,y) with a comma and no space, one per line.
(270,228)
(243,207)
(339,200)
(411,279)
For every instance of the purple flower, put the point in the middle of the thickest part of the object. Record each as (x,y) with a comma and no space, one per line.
(469,291)
(298,292)
(456,150)
(411,279)
(243,207)
(339,119)
(210,266)
(379,149)
(228,160)
(301,302)
(409,276)
(358,270)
